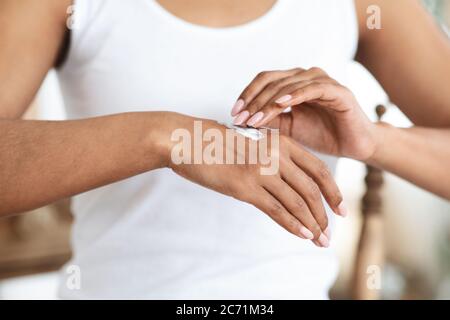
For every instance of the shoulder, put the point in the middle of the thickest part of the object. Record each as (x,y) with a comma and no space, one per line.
(389,13)
(52,10)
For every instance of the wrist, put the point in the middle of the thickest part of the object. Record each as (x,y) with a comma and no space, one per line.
(380,134)
(159,130)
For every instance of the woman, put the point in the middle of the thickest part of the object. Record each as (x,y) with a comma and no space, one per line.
(157,235)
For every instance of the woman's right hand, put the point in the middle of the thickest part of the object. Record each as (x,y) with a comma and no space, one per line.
(291,196)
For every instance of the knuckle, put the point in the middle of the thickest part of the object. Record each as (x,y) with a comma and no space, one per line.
(300,205)
(263,75)
(322,170)
(317,70)
(275,210)
(335,82)
(292,226)
(314,192)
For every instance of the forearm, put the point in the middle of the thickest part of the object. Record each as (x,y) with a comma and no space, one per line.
(419,155)
(43,161)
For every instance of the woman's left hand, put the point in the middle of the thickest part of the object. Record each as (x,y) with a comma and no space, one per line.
(324,116)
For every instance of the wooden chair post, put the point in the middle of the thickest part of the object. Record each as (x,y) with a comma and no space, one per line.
(370,251)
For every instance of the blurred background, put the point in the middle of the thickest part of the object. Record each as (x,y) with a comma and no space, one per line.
(385,227)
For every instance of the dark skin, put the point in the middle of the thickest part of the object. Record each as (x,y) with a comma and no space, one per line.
(414,71)
(43,152)
(26,57)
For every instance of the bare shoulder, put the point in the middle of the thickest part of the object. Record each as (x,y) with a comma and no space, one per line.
(31,34)
(53,9)
(408,54)
(390,13)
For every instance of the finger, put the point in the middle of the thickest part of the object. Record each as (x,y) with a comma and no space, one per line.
(268,204)
(312,91)
(283,123)
(274,108)
(283,85)
(271,89)
(257,85)
(327,232)
(320,173)
(325,92)
(261,80)
(295,204)
(308,190)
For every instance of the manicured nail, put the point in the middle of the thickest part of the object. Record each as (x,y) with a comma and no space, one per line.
(240,119)
(323,241)
(257,117)
(238,106)
(284,99)
(342,210)
(306,233)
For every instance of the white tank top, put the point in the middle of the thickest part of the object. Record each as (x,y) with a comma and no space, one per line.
(157,235)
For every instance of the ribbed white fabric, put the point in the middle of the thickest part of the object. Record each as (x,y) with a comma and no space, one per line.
(158,235)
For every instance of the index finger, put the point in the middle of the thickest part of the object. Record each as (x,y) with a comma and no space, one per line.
(257,85)
(320,173)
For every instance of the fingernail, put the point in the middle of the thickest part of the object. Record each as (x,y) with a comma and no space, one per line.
(342,210)
(284,99)
(238,106)
(306,233)
(240,119)
(257,117)
(323,240)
